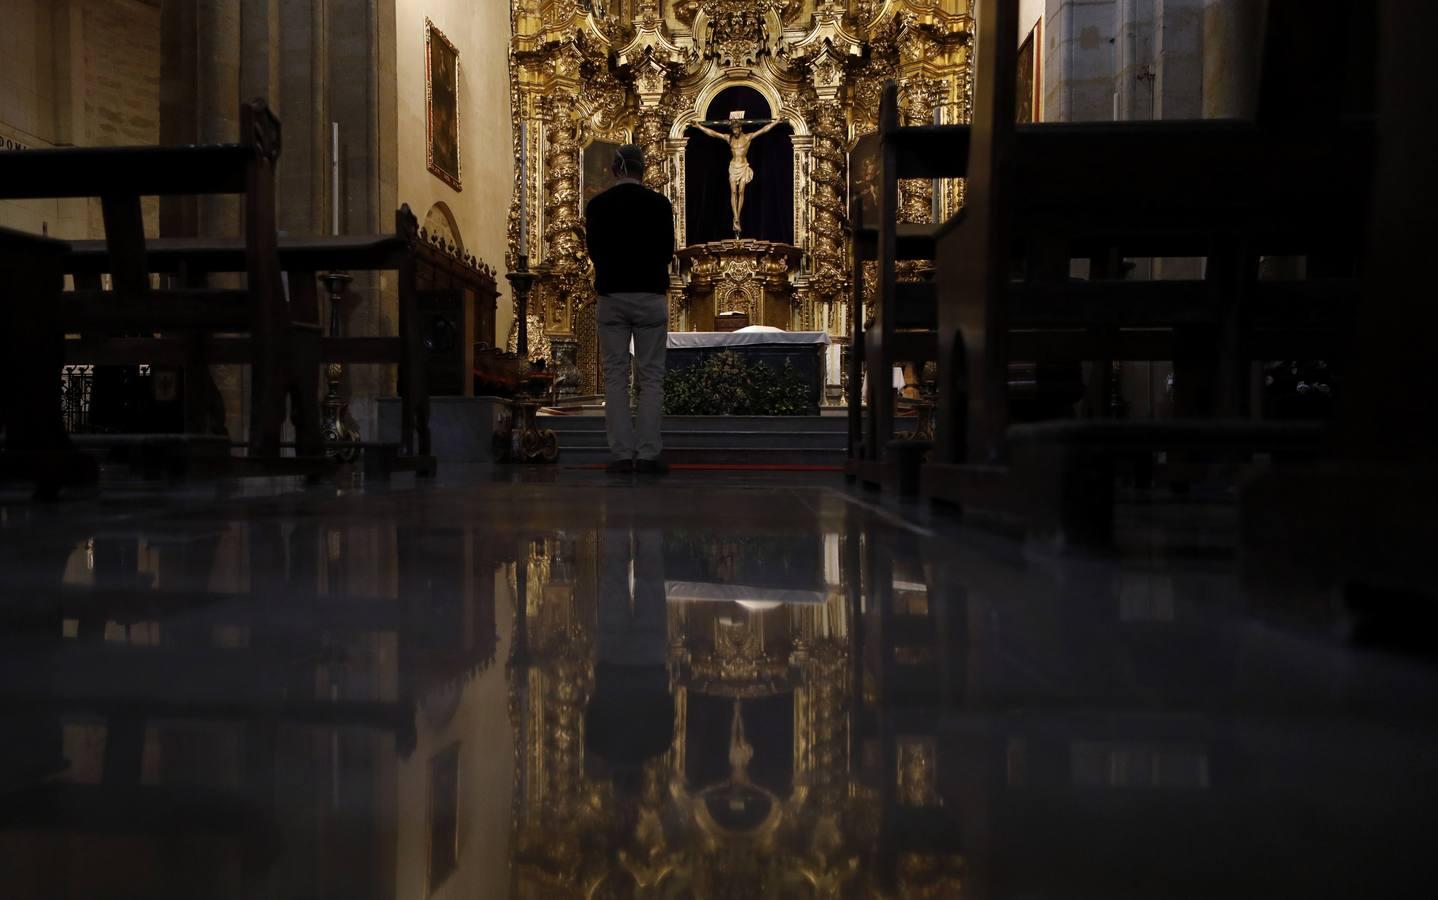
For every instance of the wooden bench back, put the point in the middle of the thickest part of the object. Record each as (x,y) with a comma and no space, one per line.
(61,172)
(1319,62)
(120,176)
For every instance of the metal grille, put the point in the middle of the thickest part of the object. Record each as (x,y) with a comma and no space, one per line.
(76,385)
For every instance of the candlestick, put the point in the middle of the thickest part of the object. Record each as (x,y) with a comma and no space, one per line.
(335,174)
(336,408)
(521,280)
(523,189)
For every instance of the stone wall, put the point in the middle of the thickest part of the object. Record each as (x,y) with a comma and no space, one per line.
(1140,59)
(107,72)
(481,32)
(83,72)
(121,93)
(479,728)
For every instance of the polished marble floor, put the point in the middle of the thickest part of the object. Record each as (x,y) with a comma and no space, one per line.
(715,685)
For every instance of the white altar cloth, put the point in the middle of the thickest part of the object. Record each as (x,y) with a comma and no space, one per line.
(689,340)
(747,595)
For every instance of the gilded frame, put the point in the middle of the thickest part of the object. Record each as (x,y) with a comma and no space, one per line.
(1031,76)
(442,119)
(445,759)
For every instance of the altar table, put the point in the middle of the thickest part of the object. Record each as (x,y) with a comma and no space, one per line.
(804,350)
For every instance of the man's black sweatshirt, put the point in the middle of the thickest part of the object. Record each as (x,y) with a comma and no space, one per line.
(631,239)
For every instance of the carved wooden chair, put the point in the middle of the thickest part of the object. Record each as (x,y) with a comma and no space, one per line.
(281,335)
(1040,196)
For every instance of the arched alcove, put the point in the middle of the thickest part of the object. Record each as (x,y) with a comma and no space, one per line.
(769,201)
(440,220)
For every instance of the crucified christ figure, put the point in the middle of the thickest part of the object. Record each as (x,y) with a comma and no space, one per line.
(740,172)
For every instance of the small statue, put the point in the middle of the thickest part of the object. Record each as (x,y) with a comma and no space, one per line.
(740,172)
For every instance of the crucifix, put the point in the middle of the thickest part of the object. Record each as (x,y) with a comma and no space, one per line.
(740,172)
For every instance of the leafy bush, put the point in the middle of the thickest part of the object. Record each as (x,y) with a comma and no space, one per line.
(725,384)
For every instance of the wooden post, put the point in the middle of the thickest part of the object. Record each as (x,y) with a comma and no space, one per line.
(855,361)
(31,340)
(879,342)
(975,309)
(413,376)
(260,129)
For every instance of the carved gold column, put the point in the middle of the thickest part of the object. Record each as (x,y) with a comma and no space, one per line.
(650,59)
(652,133)
(917,98)
(566,283)
(565,253)
(830,281)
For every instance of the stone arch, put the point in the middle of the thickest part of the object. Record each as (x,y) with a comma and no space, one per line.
(440,220)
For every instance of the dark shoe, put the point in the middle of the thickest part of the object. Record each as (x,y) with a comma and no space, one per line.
(652,467)
(621,467)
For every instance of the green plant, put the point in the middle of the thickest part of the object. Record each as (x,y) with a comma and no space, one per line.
(725,384)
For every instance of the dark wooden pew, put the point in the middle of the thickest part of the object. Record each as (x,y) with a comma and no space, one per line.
(1357,527)
(902,330)
(303,259)
(1040,196)
(36,447)
(905,323)
(281,338)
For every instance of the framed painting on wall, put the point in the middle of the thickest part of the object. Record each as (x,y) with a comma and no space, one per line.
(443,817)
(441,89)
(1030,77)
(595,176)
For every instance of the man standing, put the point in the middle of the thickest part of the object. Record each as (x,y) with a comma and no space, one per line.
(630,231)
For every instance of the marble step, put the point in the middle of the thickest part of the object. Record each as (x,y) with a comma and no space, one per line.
(676,424)
(759,456)
(756,440)
(762,440)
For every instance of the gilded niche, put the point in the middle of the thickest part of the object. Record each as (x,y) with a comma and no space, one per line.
(646,70)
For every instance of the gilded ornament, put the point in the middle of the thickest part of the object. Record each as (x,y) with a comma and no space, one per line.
(641,71)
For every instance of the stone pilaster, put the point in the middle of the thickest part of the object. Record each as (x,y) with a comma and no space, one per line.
(1232,36)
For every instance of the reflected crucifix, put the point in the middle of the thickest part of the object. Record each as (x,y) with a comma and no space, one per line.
(740,172)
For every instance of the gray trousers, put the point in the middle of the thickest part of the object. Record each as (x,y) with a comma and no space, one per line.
(645,319)
(633,617)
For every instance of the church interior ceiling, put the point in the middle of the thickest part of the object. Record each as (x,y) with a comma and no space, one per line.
(602,72)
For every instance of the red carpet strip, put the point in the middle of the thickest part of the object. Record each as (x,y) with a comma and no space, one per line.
(731,467)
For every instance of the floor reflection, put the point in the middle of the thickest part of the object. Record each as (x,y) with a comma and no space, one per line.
(545,691)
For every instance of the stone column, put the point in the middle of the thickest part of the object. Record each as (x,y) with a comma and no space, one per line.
(217,101)
(1232,53)
(179,104)
(1178,88)
(260,51)
(358,93)
(199,104)
(1081,62)
(302,176)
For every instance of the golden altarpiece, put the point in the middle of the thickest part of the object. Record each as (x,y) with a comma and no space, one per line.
(811,834)
(590,74)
